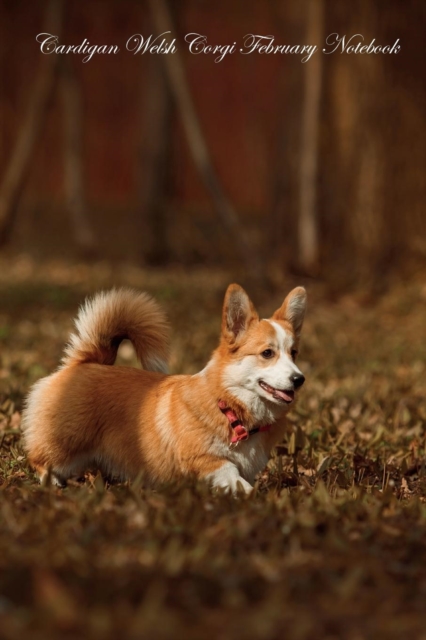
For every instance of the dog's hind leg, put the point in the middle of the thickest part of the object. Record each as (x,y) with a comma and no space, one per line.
(59,474)
(49,476)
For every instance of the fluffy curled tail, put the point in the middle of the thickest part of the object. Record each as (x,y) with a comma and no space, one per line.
(110,317)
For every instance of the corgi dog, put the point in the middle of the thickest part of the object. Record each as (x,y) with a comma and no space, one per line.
(219,424)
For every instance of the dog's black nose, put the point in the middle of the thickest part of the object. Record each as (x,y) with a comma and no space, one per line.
(298,381)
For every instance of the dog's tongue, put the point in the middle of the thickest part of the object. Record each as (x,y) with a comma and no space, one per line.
(288,396)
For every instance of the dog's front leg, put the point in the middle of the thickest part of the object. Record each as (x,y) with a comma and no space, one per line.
(228,477)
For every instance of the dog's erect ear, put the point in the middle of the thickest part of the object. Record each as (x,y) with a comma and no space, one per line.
(293,309)
(238,313)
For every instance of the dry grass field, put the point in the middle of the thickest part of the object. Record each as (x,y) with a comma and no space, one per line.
(331,545)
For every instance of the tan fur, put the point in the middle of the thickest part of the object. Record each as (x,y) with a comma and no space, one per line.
(128,421)
(108,319)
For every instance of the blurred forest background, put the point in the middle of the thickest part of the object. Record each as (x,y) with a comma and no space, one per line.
(259,160)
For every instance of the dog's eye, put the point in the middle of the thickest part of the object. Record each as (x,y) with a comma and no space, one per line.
(294,353)
(268,353)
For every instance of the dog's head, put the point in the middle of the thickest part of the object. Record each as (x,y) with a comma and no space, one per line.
(260,355)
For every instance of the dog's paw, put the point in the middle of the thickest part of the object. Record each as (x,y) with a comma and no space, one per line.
(228,478)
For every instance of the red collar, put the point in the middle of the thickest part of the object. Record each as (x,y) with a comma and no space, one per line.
(239,431)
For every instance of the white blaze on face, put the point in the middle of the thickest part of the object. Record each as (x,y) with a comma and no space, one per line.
(280,374)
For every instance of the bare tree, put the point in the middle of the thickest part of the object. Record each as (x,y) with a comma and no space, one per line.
(197,144)
(73,159)
(154,163)
(358,130)
(367,224)
(17,172)
(308,222)
(285,173)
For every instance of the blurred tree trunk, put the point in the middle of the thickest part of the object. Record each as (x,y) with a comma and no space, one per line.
(283,219)
(367,223)
(20,163)
(308,212)
(73,159)
(154,166)
(360,137)
(294,219)
(179,87)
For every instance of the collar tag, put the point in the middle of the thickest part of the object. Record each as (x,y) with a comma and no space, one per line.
(239,431)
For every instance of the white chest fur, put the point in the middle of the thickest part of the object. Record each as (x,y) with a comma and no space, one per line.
(250,456)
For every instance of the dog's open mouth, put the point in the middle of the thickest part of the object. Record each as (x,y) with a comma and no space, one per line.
(279,394)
